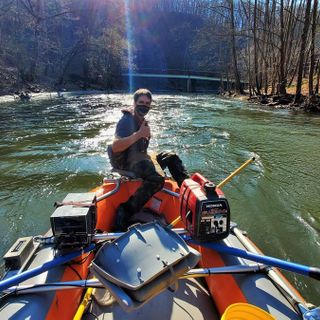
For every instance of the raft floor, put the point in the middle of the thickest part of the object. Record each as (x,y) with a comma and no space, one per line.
(190,301)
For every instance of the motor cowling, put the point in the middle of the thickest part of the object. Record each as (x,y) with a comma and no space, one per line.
(204,209)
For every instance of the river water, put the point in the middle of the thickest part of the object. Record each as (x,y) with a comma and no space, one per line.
(54,147)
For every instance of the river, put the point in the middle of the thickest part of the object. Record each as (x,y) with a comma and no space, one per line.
(54,147)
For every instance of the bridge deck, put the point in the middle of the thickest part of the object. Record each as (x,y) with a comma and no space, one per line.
(173,76)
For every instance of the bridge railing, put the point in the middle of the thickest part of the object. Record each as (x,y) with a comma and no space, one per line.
(152,72)
(179,72)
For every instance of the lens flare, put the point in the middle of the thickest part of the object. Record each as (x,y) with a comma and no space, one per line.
(129,41)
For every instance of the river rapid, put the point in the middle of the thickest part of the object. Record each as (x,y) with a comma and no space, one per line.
(49,148)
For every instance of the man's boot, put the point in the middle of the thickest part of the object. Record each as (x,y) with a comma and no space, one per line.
(123,215)
(175,166)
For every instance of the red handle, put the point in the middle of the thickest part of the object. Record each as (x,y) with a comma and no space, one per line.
(197,177)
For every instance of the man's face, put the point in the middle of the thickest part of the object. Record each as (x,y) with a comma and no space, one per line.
(142,106)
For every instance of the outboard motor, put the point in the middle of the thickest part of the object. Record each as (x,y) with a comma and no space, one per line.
(204,209)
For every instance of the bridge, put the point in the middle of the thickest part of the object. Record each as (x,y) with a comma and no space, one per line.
(190,76)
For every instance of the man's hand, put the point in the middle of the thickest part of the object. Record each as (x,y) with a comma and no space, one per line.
(121,144)
(144,131)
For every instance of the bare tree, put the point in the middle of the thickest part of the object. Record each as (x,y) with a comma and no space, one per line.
(282,77)
(312,49)
(238,86)
(304,36)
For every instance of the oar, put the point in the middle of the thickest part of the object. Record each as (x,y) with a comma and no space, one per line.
(95,283)
(12,281)
(234,173)
(83,305)
(220,185)
(311,272)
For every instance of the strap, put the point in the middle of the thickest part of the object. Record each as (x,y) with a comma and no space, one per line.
(75,204)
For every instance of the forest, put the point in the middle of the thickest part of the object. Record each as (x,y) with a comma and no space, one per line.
(264,48)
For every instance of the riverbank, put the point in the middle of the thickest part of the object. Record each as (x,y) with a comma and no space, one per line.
(14,92)
(54,95)
(278,101)
(12,86)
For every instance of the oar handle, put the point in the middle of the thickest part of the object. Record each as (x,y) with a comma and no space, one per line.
(312,272)
(174,222)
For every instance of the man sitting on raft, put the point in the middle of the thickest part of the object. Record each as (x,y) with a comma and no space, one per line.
(129,152)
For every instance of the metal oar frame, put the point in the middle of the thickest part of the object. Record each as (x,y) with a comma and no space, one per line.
(193,273)
(95,283)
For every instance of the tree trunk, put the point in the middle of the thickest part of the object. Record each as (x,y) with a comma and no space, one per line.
(312,55)
(266,46)
(255,44)
(37,13)
(318,78)
(290,40)
(302,50)
(238,87)
(282,78)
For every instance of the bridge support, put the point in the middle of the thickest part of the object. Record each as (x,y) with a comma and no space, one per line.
(190,85)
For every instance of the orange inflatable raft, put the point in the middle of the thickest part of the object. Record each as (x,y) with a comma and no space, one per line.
(206,297)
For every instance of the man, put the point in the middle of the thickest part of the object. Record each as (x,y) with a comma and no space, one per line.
(129,152)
